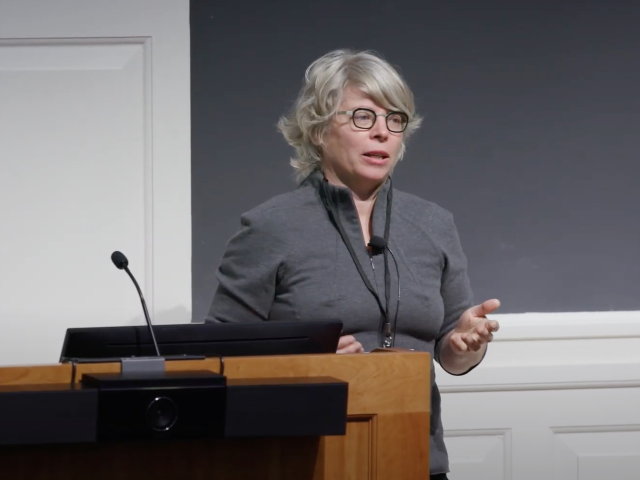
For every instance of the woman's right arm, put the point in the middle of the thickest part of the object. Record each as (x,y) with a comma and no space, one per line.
(248,273)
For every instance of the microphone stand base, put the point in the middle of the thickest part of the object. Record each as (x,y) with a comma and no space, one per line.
(142,365)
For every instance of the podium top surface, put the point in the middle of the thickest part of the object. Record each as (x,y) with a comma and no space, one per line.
(393,381)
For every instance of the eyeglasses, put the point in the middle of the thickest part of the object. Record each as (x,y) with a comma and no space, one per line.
(365,119)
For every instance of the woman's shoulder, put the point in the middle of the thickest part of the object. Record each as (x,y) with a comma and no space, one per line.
(426,219)
(283,210)
(420,209)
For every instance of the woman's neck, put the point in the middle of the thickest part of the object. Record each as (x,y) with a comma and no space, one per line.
(362,192)
(364,207)
(365,213)
(364,199)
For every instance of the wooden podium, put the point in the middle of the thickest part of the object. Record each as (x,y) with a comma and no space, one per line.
(387,429)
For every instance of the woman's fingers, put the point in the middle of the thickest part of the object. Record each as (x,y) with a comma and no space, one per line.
(348,344)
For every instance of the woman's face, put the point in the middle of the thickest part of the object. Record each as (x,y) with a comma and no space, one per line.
(355,158)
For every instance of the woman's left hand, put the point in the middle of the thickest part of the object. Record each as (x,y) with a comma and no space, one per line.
(348,344)
(474,329)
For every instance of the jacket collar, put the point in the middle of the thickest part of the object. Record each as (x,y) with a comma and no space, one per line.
(341,199)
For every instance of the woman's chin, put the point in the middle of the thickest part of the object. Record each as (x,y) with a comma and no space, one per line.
(373,173)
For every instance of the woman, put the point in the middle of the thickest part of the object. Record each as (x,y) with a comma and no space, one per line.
(306,254)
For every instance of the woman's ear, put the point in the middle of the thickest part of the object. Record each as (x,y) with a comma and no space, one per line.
(316,139)
(318,136)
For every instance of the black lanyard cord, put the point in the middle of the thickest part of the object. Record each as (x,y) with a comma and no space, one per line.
(335,216)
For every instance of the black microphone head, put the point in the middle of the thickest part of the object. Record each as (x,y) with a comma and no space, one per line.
(119,260)
(377,242)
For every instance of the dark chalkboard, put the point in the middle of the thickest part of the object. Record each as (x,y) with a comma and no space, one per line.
(531,135)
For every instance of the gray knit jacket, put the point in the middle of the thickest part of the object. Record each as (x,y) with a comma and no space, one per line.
(290,261)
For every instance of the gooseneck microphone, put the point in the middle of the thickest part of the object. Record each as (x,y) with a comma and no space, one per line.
(121,262)
(378,243)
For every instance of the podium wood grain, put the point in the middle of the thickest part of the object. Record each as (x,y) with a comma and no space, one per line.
(387,430)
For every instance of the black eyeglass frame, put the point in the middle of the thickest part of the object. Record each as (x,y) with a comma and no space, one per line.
(376,115)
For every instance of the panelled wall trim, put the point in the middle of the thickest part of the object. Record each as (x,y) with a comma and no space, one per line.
(570,325)
(481,453)
(596,429)
(549,351)
(557,434)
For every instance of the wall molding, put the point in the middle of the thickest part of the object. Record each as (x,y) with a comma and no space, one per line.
(567,326)
(523,387)
(595,429)
(556,351)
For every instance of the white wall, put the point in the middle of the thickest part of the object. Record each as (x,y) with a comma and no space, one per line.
(557,397)
(95,135)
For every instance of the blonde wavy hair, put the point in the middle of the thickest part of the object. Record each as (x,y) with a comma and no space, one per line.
(325,81)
